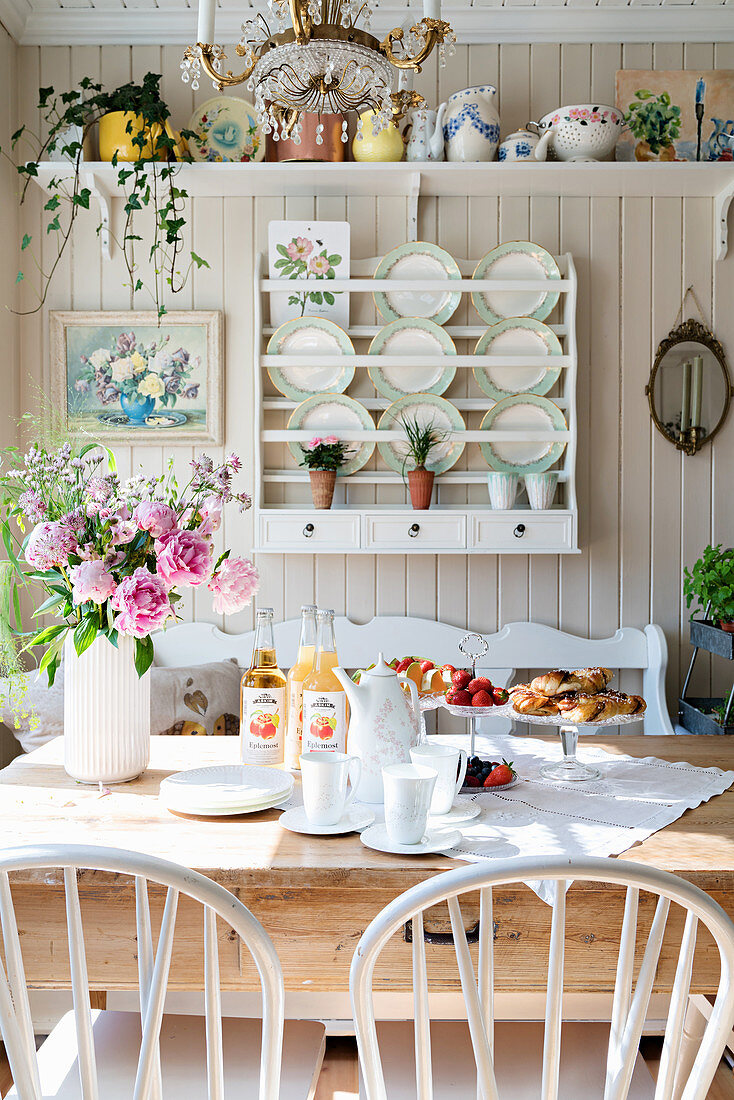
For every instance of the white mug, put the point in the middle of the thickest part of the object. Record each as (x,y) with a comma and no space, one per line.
(324,777)
(450,766)
(408,793)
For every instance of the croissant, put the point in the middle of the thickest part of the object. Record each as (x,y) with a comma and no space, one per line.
(526,701)
(618,703)
(589,681)
(580,707)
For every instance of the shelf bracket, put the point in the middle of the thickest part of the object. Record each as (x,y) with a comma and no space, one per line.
(722,203)
(101,194)
(414,193)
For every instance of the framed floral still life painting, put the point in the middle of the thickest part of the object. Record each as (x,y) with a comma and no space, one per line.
(123,377)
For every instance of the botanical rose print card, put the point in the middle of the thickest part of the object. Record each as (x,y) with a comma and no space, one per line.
(310,255)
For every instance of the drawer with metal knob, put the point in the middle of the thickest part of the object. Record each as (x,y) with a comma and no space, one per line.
(523,532)
(305,530)
(411,530)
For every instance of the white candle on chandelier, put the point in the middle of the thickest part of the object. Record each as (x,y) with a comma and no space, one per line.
(205,27)
(431,9)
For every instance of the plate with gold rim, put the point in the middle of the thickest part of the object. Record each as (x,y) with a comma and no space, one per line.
(515,260)
(523,412)
(413,261)
(518,336)
(427,408)
(313,338)
(412,336)
(334,414)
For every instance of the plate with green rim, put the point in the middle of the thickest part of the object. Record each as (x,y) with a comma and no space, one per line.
(515,260)
(427,408)
(517,336)
(313,338)
(409,262)
(412,336)
(334,414)
(523,412)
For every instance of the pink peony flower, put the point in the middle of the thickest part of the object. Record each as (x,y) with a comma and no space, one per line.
(184,558)
(234,584)
(331,440)
(210,510)
(91,581)
(142,601)
(123,532)
(50,544)
(155,518)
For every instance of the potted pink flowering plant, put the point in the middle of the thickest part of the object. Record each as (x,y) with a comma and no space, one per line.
(113,558)
(324,457)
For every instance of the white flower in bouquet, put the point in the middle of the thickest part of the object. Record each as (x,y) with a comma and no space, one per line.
(151,386)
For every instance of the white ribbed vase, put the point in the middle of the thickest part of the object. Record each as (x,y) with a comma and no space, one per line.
(106,712)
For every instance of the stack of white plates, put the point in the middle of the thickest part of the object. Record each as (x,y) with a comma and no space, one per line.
(225,789)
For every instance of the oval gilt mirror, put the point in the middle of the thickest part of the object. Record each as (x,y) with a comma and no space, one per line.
(689,389)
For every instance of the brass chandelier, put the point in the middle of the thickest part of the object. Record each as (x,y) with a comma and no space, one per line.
(323,63)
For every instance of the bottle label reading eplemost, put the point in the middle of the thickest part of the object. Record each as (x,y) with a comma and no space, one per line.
(324,721)
(262,729)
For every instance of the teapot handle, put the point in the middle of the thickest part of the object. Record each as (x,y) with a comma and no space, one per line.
(541,149)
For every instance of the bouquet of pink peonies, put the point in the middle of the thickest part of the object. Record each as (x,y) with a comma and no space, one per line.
(113,556)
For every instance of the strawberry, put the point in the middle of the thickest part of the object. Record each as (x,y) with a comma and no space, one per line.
(480,684)
(499,696)
(471,781)
(458,698)
(460,678)
(499,776)
(448,671)
(481,699)
(426,666)
(402,665)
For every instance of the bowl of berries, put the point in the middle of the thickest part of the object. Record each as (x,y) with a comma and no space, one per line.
(493,775)
(470,695)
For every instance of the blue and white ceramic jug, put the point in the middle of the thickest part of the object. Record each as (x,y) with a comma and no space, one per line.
(472,126)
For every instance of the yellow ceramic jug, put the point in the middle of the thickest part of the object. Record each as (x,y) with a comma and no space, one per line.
(114,137)
(385,146)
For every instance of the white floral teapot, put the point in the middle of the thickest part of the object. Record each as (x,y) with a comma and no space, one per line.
(426,135)
(384,724)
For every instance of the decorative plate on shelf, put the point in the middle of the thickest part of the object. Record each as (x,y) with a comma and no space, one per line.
(426,408)
(515,260)
(517,336)
(334,414)
(412,261)
(313,338)
(523,412)
(412,336)
(226,129)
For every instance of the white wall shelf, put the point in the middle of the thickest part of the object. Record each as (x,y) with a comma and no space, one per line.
(461,519)
(597,180)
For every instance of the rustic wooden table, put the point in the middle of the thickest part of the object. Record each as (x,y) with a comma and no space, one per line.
(315,895)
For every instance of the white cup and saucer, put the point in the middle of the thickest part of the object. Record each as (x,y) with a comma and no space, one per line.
(329,782)
(409,790)
(449,763)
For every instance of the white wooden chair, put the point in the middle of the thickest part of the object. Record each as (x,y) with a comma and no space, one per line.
(515,646)
(510,1061)
(101,1055)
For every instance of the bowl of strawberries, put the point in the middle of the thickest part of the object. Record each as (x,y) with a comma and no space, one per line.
(493,775)
(470,695)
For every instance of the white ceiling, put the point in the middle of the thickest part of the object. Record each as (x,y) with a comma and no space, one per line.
(73,22)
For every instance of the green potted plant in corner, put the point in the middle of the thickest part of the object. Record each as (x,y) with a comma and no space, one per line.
(711,584)
(420,440)
(323,458)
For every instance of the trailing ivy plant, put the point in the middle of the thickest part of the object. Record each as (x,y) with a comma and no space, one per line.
(148,183)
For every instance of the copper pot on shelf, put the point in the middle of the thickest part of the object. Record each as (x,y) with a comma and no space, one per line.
(331,149)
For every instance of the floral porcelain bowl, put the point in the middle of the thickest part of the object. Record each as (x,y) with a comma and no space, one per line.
(581,130)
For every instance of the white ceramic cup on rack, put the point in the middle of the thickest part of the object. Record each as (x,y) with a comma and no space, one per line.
(408,793)
(502,489)
(449,764)
(324,778)
(541,489)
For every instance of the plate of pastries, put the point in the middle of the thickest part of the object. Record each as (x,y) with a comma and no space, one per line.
(579,697)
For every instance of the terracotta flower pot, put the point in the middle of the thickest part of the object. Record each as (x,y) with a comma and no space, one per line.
(420,483)
(728,627)
(322,487)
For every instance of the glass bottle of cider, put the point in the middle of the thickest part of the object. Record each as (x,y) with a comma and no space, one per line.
(324,699)
(296,676)
(262,699)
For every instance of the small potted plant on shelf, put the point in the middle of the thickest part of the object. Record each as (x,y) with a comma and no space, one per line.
(323,458)
(711,584)
(420,440)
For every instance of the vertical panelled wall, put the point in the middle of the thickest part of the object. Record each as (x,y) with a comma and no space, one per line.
(644,510)
(9,324)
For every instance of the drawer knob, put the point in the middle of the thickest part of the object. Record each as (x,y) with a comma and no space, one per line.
(519,531)
(413,530)
(308,530)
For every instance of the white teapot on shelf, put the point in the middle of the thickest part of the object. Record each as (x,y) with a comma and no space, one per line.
(426,135)
(384,724)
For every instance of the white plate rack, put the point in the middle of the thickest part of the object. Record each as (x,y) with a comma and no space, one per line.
(371,512)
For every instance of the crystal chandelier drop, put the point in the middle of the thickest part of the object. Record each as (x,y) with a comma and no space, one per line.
(323,63)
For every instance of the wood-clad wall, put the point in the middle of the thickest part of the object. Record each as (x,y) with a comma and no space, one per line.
(644,510)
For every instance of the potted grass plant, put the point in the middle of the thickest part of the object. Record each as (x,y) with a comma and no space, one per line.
(420,440)
(324,457)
